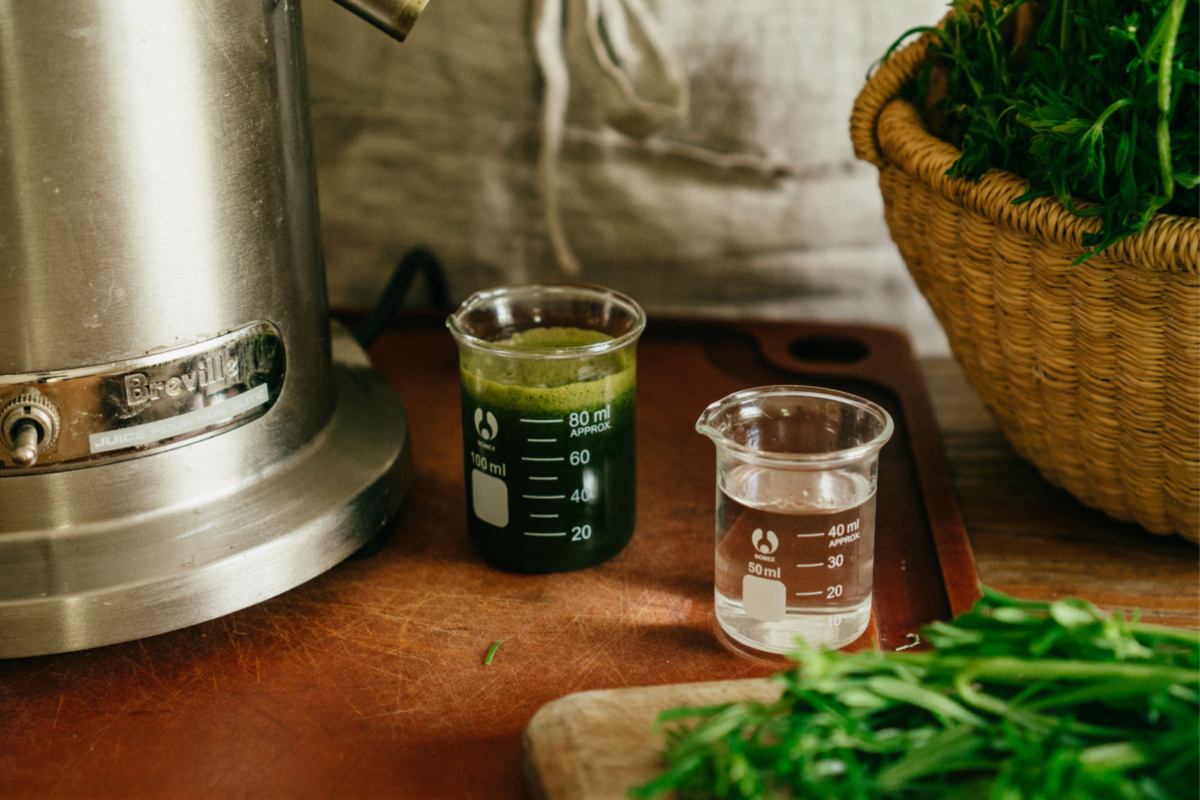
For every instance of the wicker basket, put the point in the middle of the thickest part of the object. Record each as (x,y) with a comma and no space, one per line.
(1092,370)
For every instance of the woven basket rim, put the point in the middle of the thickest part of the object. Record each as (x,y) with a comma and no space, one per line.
(888,131)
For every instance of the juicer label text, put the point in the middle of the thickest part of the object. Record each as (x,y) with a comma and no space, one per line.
(213,371)
(149,403)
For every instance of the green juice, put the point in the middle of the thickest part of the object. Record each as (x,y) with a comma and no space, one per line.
(550,460)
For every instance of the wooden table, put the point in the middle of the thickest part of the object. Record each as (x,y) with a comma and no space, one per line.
(1035,541)
(368,681)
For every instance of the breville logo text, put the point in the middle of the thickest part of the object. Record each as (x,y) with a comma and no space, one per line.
(214,368)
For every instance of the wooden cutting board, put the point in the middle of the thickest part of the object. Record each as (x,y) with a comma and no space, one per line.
(595,745)
(369,680)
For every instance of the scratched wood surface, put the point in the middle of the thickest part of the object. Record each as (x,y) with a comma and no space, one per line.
(1033,540)
(369,681)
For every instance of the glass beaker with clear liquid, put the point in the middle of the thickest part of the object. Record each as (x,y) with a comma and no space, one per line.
(797,470)
(549,373)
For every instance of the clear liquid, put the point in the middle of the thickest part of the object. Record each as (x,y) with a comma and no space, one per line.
(794,558)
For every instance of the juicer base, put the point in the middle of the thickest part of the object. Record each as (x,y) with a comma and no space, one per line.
(202,558)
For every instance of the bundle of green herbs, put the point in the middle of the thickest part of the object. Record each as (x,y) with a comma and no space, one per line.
(1014,699)
(1096,102)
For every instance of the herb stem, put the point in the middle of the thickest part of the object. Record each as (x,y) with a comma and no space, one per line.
(1020,670)
(1108,112)
(1173,20)
(488,660)
(1064,29)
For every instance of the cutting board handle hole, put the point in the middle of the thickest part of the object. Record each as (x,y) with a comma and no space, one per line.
(829,349)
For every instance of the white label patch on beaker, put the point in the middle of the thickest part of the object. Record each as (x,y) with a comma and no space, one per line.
(763,599)
(489,495)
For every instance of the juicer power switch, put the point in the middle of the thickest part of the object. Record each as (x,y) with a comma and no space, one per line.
(28,425)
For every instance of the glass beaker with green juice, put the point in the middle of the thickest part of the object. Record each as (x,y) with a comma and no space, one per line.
(548,381)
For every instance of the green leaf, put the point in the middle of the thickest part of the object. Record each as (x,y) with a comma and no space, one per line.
(1107,709)
(1102,106)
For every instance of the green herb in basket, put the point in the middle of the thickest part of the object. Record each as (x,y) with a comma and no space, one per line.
(1014,700)
(1096,100)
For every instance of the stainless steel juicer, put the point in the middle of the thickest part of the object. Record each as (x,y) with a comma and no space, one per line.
(182,433)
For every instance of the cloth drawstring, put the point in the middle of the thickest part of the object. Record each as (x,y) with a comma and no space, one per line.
(630,70)
(548,46)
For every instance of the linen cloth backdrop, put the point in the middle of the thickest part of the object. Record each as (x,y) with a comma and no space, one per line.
(692,153)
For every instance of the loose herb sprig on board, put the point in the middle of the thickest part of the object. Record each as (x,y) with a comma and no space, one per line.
(1014,700)
(1097,100)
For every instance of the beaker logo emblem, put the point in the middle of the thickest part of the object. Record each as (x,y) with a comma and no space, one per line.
(486,430)
(767,547)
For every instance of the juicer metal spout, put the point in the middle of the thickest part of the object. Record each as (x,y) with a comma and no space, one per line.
(394,17)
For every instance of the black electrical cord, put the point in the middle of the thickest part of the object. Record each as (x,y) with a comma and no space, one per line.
(415,261)
(419,260)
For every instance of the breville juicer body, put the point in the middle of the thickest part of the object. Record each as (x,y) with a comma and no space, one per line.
(181,432)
